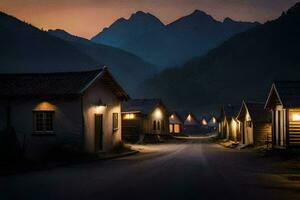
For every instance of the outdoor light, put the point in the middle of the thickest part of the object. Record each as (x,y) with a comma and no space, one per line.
(296,117)
(100,106)
(189,118)
(158,114)
(129,116)
(204,122)
(172,116)
(214,120)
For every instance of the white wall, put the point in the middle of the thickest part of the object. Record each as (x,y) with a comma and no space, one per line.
(67,125)
(90,98)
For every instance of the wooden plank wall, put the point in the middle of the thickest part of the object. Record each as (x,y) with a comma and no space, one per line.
(294,129)
(262,133)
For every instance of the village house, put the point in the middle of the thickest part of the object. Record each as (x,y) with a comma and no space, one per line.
(255,123)
(75,110)
(284,103)
(144,119)
(191,124)
(228,123)
(175,124)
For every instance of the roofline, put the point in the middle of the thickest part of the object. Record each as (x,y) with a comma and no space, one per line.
(104,69)
(269,96)
(128,112)
(91,82)
(243,104)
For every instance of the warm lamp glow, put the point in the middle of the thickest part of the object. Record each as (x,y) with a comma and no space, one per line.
(296,117)
(234,124)
(100,109)
(189,118)
(204,122)
(129,116)
(172,116)
(158,114)
(214,120)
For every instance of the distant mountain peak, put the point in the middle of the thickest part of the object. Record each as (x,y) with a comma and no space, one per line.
(228,20)
(199,13)
(142,16)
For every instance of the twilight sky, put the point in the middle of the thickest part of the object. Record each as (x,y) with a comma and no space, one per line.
(87,17)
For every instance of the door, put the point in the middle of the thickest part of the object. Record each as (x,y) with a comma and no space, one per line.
(98,132)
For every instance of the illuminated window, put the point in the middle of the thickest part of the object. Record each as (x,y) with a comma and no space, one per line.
(115,121)
(296,117)
(171,128)
(129,116)
(43,121)
(177,128)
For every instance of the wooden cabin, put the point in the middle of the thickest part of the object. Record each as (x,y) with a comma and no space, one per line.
(228,123)
(77,111)
(284,103)
(144,118)
(175,124)
(255,123)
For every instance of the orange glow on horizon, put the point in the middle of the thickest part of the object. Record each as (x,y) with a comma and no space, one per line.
(87,18)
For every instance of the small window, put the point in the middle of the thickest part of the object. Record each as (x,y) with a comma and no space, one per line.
(115,121)
(43,121)
(249,123)
(154,125)
(158,125)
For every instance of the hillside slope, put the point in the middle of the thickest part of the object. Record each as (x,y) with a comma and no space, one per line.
(128,69)
(241,68)
(24,48)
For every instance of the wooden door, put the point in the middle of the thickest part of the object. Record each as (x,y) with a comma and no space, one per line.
(98,132)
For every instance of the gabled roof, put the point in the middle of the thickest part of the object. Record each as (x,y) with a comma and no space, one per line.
(285,93)
(256,111)
(177,116)
(194,120)
(56,84)
(143,106)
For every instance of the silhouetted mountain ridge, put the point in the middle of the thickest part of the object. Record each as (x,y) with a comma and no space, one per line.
(167,45)
(241,68)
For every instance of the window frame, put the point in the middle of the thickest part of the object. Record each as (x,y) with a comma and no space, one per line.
(44,121)
(115,121)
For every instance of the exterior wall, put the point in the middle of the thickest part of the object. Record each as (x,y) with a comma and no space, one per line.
(224,129)
(161,114)
(247,132)
(67,125)
(279,121)
(234,130)
(262,133)
(99,91)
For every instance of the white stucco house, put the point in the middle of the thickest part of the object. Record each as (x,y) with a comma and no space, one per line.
(79,110)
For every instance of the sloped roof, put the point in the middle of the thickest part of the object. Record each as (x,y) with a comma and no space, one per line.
(143,106)
(56,84)
(194,120)
(288,93)
(177,116)
(257,111)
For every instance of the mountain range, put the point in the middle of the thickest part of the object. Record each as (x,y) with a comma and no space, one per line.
(25,48)
(243,67)
(169,45)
